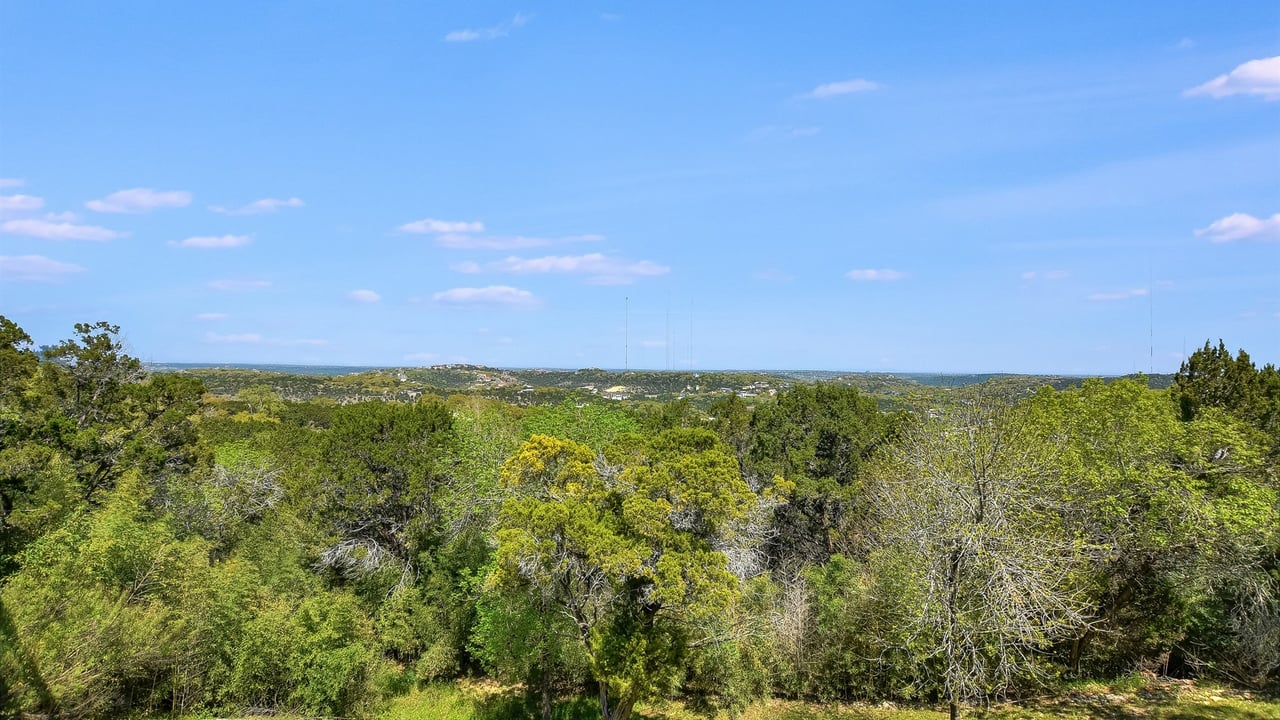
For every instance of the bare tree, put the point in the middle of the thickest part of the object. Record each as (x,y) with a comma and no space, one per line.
(967,521)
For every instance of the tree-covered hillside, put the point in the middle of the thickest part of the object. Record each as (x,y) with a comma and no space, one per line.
(230,541)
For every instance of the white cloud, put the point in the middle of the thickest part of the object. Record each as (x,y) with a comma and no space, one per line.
(364,296)
(590,264)
(212,241)
(603,270)
(872,274)
(1256,77)
(232,284)
(428,226)
(139,200)
(491,295)
(20,202)
(249,338)
(1046,275)
(458,241)
(35,268)
(212,316)
(1119,294)
(65,216)
(1242,226)
(12,182)
(653,343)
(58,230)
(844,87)
(259,207)
(488,33)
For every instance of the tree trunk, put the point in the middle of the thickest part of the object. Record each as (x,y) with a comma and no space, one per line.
(622,711)
(954,710)
(544,682)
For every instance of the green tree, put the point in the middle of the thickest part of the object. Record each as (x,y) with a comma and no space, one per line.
(818,437)
(1210,377)
(626,549)
(382,473)
(97,407)
(261,399)
(594,424)
(1177,512)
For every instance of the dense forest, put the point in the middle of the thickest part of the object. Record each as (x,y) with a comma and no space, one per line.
(168,550)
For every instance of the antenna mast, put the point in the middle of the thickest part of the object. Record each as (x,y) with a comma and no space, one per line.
(690,336)
(668,332)
(1151,320)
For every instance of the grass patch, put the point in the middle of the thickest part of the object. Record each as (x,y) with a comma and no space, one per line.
(1126,698)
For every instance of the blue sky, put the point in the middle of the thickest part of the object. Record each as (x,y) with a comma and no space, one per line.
(833,185)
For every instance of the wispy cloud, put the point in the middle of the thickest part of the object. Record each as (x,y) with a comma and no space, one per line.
(1242,226)
(491,295)
(20,203)
(465,235)
(603,270)
(364,296)
(236,284)
(844,87)
(494,32)
(35,268)
(431,226)
(233,338)
(259,207)
(1045,275)
(1118,295)
(211,316)
(257,339)
(212,241)
(869,274)
(12,182)
(47,230)
(458,241)
(467,267)
(140,200)
(1257,77)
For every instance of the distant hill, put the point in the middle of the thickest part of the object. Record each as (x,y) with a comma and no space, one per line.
(534,386)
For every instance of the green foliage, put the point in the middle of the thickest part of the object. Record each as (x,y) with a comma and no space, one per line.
(1210,377)
(261,399)
(95,609)
(594,424)
(380,474)
(818,437)
(165,551)
(1173,509)
(625,551)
